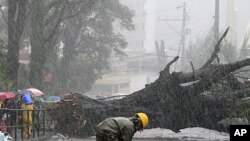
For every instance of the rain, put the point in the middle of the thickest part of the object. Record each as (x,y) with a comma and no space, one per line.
(185,63)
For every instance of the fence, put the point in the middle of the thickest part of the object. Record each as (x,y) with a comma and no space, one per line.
(15,125)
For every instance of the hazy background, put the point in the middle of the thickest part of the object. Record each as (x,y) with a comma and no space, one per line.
(200,14)
(162,20)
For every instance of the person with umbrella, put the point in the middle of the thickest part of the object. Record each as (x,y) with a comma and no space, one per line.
(11,115)
(5,115)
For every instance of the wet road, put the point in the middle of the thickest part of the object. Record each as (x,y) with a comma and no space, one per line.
(157,134)
(140,140)
(133,140)
(93,139)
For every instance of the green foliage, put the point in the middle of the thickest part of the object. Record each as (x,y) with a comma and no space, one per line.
(218,88)
(85,30)
(242,111)
(98,36)
(80,79)
(82,74)
(89,39)
(4,82)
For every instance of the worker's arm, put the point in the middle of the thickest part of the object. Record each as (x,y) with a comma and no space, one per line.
(127,134)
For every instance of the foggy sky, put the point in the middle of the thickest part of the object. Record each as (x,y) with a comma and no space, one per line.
(200,15)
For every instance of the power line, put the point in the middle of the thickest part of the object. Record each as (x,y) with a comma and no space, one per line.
(183,33)
(154,12)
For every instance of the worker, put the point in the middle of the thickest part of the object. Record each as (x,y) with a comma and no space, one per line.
(27,106)
(120,128)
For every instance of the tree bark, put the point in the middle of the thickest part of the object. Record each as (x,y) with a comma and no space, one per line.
(37,44)
(16,24)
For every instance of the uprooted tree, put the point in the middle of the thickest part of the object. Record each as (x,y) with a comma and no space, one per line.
(167,103)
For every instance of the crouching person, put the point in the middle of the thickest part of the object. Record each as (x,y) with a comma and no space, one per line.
(120,128)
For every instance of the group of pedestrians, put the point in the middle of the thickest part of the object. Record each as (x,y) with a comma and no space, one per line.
(111,129)
(10,118)
(7,117)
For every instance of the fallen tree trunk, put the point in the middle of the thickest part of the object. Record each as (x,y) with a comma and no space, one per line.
(167,102)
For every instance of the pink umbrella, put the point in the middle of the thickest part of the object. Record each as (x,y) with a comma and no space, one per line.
(35,92)
(6,95)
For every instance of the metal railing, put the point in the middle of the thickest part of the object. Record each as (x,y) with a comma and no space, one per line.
(15,125)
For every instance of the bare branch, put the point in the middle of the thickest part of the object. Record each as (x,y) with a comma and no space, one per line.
(247,70)
(194,73)
(170,63)
(216,50)
(243,77)
(52,4)
(57,24)
(3,14)
(211,71)
(214,75)
(62,18)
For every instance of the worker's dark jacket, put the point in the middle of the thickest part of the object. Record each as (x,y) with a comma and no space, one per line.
(115,129)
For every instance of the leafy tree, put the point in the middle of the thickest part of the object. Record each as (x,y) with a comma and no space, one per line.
(88,41)
(46,22)
(85,30)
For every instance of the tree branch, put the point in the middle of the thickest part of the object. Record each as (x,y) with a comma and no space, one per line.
(60,19)
(57,24)
(3,14)
(170,63)
(217,73)
(216,50)
(194,72)
(52,4)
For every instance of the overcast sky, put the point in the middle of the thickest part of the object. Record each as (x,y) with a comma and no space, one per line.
(200,15)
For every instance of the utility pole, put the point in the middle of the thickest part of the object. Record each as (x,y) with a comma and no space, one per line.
(161,54)
(217,20)
(182,34)
(216,24)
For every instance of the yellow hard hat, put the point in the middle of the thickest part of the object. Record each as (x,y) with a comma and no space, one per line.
(144,119)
